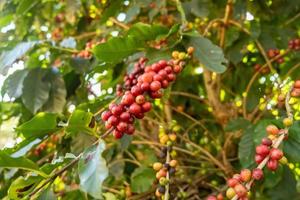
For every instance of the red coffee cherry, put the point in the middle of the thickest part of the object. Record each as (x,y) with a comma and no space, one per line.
(232,182)
(127,99)
(297,84)
(266,141)
(122,126)
(257,174)
(113,120)
(259,158)
(146,107)
(262,150)
(155,86)
(135,109)
(105,115)
(125,116)
(272,165)
(117,110)
(240,190)
(117,134)
(276,154)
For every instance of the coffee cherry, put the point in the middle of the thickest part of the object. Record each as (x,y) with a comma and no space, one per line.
(232,182)
(172,137)
(266,141)
(230,193)
(220,197)
(130,129)
(297,84)
(127,99)
(272,165)
(125,116)
(173,163)
(240,190)
(155,86)
(211,197)
(140,99)
(117,110)
(257,174)
(147,78)
(237,177)
(276,154)
(113,120)
(287,122)
(177,69)
(135,109)
(295,92)
(259,158)
(122,126)
(190,50)
(136,90)
(157,193)
(117,134)
(272,129)
(172,171)
(262,150)
(164,139)
(161,173)
(146,107)
(145,86)
(283,160)
(163,181)
(245,175)
(105,115)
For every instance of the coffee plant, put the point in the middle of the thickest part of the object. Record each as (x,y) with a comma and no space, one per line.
(137,100)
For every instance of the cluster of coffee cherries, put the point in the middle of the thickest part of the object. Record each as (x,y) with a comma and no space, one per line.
(273,53)
(86,53)
(264,152)
(294,44)
(46,146)
(168,167)
(296,89)
(145,82)
(264,70)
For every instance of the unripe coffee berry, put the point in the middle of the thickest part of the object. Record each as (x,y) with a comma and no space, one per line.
(230,193)
(245,175)
(287,122)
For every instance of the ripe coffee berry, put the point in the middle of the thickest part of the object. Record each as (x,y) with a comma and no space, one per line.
(272,165)
(266,141)
(259,158)
(276,154)
(262,150)
(257,174)
(240,190)
(232,182)
(140,99)
(155,86)
(272,129)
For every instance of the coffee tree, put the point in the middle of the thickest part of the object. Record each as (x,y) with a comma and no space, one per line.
(163,99)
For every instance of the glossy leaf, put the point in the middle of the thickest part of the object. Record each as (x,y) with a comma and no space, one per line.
(210,55)
(142,179)
(93,170)
(13,84)
(40,125)
(81,121)
(291,147)
(7,58)
(36,90)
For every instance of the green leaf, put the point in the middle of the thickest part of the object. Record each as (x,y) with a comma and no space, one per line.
(273,178)
(142,179)
(40,125)
(7,58)
(25,5)
(81,121)
(286,188)
(210,55)
(291,147)
(57,97)
(7,161)
(93,170)
(146,32)
(112,9)
(36,90)
(116,49)
(23,186)
(237,124)
(13,84)
(246,148)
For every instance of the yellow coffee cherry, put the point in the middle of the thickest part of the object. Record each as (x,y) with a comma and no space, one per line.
(157,166)
(175,54)
(283,160)
(173,163)
(230,193)
(164,139)
(287,122)
(172,137)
